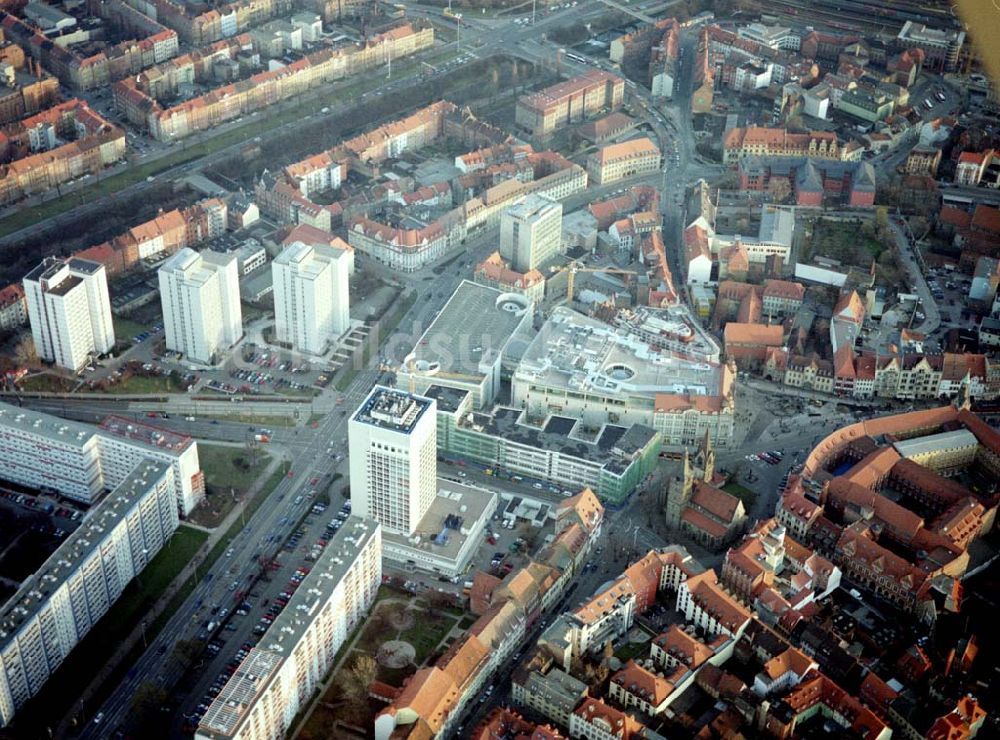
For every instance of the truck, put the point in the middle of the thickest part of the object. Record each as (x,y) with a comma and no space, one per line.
(262,438)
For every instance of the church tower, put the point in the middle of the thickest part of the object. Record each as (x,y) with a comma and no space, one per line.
(679,492)
(704,461)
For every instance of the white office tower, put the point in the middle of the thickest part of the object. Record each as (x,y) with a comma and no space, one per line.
(56,606)
(531,232)
(278,678)
(311,298)
(393,449)
(200,298)
(69,310)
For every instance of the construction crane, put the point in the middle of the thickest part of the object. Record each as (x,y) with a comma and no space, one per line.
(571,271)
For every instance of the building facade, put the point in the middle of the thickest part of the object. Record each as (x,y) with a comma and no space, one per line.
(531,232)
(276,679)
(59,604)
(70,311)
(393,453)
(200,298)
(311,298)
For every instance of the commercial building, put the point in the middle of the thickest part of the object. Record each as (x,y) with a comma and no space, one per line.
(448,534)
(942,47)
(617,161)
(393,453)
(70,311)
(558,451)
(200,298)
(813,182)
(311,298)
(581,367)
(531,232)
(572,101)
(277,678)
(79,462)
(469,342)
(55,607)
(758,141)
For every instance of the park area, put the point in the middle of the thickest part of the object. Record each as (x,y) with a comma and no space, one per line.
(400,636)
(229,474)
(854,243)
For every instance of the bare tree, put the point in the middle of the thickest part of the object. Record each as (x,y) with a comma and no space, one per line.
(356,680)
(25,352)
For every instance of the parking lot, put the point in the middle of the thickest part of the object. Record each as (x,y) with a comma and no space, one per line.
(226,627)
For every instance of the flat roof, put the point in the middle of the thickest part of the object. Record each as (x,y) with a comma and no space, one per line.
(255,673)
(77,547)
(935,442)
(612,448)
(147,434)
(64,431)
(475,326)
(391,409)
(448,399)
(440,528)
(583,354)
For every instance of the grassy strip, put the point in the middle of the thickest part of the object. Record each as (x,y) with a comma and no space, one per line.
(251,508)
(310,101)
(60,692)
(221,471)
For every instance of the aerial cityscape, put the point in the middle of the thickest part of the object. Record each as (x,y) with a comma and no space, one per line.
(499,370)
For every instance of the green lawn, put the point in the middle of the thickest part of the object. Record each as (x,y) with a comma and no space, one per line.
(60,692)
(125,329)
(142,384)
(427,634)
(224,469)
(46,383)
(742,493)
(632,650)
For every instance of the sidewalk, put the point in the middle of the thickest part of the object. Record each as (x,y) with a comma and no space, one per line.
(129,642)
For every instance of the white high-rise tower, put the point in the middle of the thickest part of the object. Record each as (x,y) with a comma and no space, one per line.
(311,299)
(200,298)
(69,310)
(393,449)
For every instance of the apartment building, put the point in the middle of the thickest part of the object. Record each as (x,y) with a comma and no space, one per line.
(79,462)
(568,102)
(265,88)
(311,296)
(706,604)
(495,272)
(55,607)
(64,142)
(13,307)
(393,454)
(619,161)
(433,699)
(70,311)
(531,232)
(200,299)
(276,680)
(553,695)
